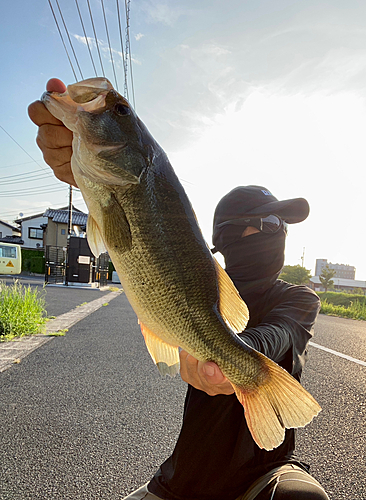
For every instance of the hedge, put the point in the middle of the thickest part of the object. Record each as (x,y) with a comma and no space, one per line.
(33,261)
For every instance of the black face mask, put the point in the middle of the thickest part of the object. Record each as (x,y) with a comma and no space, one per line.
(251,258)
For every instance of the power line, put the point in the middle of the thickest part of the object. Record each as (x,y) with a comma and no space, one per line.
(86,38)
(62,39)
(31,190)
(17,164)
(68,36)
(109,43)
(36,177)
(96,38)
(128,46)
(38,208)
(35,193)
(24,173)
(17,143)
(122,51)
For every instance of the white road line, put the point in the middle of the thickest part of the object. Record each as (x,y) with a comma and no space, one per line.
(339,354)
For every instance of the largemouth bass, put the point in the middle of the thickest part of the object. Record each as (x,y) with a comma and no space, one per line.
(140,214)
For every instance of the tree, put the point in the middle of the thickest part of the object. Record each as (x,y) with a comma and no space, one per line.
(326,277)
(295,274)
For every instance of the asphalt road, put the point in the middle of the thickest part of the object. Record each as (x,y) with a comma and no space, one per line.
(60,299)
(87,416)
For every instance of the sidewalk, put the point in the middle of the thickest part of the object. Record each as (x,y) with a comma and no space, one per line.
(16,350)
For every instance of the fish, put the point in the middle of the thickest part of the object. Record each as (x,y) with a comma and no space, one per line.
(183,299)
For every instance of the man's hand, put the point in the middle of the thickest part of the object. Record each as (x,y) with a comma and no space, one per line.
(206,377)
(53,139)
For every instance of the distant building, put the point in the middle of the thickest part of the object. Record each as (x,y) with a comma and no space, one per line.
(339,284)
(341,270)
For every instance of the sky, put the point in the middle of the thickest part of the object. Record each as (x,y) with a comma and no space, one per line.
(263,92)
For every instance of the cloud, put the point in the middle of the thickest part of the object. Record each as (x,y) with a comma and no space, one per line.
(161,12)
(82,40)
(105,50)
(139,36)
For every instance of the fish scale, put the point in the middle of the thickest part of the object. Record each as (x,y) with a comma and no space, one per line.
(139,212)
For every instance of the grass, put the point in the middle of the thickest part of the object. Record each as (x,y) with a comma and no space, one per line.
(59,333)
(343,305)
(22,311)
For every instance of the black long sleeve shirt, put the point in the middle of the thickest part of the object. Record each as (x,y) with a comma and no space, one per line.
(215,457)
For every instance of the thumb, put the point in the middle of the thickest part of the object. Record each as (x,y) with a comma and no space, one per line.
(212,373)
(56,85)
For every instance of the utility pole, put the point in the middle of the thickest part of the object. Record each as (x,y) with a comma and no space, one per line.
(303,257)
(69,229)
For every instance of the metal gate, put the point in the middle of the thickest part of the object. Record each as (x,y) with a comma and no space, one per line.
(81,263)
(55,265)
(82,266)
(102,269)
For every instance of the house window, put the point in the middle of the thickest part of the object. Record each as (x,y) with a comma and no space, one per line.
(35,233)
(1,234)
(63,231)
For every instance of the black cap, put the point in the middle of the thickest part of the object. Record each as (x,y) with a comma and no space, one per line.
(246,201)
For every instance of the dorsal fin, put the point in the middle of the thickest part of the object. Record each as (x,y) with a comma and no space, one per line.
(232,307)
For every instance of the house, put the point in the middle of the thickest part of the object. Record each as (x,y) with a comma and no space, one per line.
(32,232)
(50,227)
(55,232)
(10,234)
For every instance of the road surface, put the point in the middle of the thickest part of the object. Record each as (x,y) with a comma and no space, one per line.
(87,416)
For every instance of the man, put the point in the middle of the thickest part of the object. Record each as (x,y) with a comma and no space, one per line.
(215,457)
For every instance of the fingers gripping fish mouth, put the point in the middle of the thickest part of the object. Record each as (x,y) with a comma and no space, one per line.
(101,120)
(77,98)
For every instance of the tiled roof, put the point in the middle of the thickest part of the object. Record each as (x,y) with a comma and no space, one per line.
(62,216)
(12,239)
(10,226)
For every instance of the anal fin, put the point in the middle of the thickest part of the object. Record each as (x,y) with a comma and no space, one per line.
(165,356)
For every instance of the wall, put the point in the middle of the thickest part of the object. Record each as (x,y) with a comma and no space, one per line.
(32,223)
(53,234)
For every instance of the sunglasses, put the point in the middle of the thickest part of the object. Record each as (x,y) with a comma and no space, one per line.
(270,224)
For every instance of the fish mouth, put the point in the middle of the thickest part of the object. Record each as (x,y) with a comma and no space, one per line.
(92,103)
(66,109)
(62,107)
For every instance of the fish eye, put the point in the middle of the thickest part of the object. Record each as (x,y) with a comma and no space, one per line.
(121,109)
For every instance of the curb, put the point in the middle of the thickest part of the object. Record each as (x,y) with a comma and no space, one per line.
(14,351)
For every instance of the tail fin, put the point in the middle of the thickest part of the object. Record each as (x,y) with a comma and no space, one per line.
(277,404)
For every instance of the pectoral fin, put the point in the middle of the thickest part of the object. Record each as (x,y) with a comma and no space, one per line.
(94,237)
(116,229)
(232,307)
(165,356)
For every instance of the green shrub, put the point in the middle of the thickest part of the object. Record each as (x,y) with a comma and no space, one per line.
(341,299)
(354,310)
(22,310)
(33,261)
